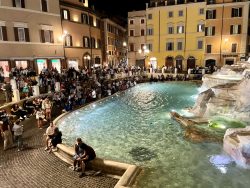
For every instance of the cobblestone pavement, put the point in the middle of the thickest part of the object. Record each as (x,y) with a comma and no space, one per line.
(36,168)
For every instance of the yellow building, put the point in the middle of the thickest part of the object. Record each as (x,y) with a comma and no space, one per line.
(175,35)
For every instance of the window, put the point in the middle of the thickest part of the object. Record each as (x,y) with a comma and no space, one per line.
(150,16)
(209,48)
(99,43)
(81,1)
(44,4)
(150,31)
(131,47)
(180,29)
(180,13)
(142,32)
(236,12)
(150,47)
(65,14)
(19,3)
(85,18)
(170,14)
(131,33)
(93,42)
(201,11)
(179,45)
(200,44)
(234,48)
(86,42)
(3,33)
(131,22)
(211,14)
(210,31)
(235,29)
(170,30)
(170,46)
(142,21)
(68,40)
(200,27)
(21,34)
(47,36)
(91,20)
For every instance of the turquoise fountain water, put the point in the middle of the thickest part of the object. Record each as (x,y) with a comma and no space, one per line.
(135,127)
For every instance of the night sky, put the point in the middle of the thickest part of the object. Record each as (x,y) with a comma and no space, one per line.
(119,7)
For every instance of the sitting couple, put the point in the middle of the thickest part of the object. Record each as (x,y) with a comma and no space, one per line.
(83,155)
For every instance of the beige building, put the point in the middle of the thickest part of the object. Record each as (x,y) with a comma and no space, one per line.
(226,31)
(82,34)
(30,34)
(137,38)
(115,40)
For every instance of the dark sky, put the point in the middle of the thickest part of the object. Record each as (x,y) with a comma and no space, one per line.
(119,7)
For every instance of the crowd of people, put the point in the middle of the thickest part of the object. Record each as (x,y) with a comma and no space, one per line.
(76,88)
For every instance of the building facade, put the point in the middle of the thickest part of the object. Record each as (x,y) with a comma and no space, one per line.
(137,38)
(227,38)
(115,43)
(190,33)
(81,34)
(30,34)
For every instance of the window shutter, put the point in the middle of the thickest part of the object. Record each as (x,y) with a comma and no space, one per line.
(23,3)
(206,31)
(27,36)
(240,12)
(51,36)
(16,34)
(4,30)
(68,14)
(207,14)
(214,14)
(213,31)
(231,29)
(232,13)
(71,41)
(239,29)
(42,36)
(14,3)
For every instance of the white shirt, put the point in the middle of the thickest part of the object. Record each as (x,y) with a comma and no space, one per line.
(50,130)
(17,129)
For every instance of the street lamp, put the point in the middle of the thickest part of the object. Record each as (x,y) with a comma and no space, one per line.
(125,46)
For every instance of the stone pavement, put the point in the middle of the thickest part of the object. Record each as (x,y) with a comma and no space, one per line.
(36,168)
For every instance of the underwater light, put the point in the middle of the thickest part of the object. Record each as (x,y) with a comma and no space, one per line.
(94,105)
(216,125)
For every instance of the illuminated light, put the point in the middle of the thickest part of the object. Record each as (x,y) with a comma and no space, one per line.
(226,39)
(94,23)
(124,44)
(78,43)
(75,18)
(65,32)
(94,105)
(140,51)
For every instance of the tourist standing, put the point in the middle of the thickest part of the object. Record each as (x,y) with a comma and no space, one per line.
(18,132)
(7,136)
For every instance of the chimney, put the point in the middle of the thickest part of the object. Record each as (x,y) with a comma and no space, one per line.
(156,3)
(166,3)
(146,5)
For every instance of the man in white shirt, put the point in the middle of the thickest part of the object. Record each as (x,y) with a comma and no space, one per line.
(18,132)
